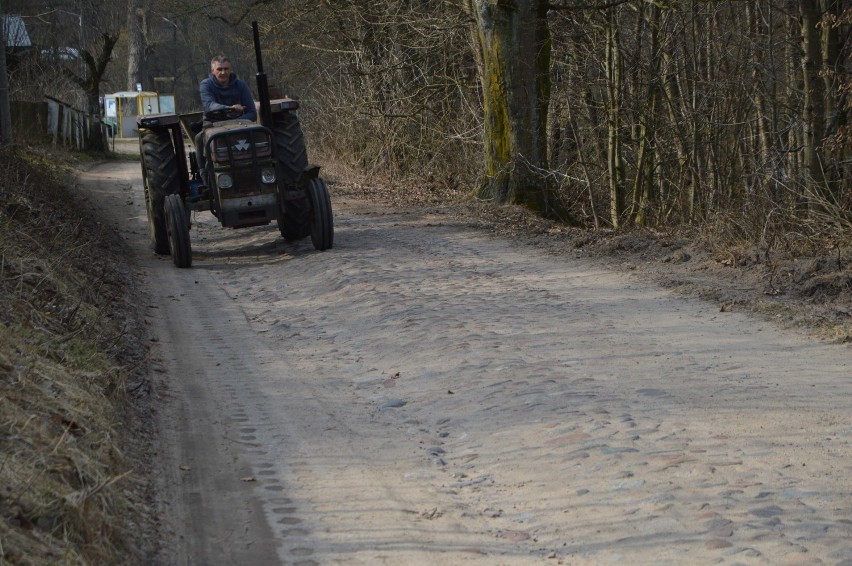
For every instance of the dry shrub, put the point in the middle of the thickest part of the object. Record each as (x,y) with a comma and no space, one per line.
(797,253)
(422,148)
(795,225)
(62,382)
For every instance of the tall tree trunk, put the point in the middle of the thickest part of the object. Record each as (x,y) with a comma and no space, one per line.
(832,62)
(671,73)
(709,72)
(615,162)
(813,113)
(792,88)
(514,49)
(643,184)
(764,99)
(135,44)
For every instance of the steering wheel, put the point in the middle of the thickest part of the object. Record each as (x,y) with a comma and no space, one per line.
(222,114)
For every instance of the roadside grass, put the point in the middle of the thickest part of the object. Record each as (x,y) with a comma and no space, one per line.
(65,486)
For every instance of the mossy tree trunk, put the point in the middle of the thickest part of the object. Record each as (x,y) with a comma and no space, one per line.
(514,44)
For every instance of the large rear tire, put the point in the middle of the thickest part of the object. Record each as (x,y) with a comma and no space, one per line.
(322,222)
(294,223)
(177,226)
(160,177)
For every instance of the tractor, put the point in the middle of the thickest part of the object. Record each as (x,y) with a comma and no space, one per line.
(252,174)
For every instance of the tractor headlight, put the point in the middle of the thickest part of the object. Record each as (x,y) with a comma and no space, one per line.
(224,181)
(267,175)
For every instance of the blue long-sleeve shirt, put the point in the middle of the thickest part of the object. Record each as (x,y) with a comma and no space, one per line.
(217,97)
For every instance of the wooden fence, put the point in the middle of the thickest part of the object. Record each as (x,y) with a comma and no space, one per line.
(53,119)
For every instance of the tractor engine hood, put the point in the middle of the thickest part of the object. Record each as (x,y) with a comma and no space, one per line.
(237,140)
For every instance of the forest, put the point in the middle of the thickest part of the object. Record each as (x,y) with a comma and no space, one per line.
(731,116)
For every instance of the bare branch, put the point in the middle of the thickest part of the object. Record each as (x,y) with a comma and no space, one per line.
(582,5)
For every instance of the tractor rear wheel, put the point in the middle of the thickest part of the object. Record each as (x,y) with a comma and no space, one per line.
(294,222)
(322,222)
(177,226)
(160,179)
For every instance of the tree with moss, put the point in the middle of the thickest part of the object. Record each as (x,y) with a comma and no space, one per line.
(513,40)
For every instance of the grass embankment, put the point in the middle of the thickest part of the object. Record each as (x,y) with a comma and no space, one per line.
(66,358)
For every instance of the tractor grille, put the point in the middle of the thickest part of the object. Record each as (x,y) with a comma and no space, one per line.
(246,181)
(242,146)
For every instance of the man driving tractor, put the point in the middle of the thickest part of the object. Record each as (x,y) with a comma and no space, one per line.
(222,90)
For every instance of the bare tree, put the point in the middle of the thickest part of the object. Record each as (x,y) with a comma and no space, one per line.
(135,43)
(96,59)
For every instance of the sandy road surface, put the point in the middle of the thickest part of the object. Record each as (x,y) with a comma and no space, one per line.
(427,394)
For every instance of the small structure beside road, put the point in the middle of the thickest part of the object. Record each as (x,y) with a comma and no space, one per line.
(121,109)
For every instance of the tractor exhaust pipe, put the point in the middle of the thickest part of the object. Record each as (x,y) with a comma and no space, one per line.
(262,84)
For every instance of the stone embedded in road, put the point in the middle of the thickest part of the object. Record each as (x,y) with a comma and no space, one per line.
(618,449)
(392,404)
(717,543)
(515,536)
(771,511)
(628,485)
(475,481)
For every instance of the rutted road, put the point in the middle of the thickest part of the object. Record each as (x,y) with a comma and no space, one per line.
(427,394)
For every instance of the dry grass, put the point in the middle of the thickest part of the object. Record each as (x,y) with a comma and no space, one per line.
(64,482)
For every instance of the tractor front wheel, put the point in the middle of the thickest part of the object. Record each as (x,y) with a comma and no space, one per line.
(160,177)
(292,157)
(322,221)
(177,226)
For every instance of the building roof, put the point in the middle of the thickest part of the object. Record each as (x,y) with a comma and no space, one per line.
(15,32)
(130,94)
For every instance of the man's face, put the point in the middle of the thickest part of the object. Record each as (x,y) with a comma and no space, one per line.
(222,72)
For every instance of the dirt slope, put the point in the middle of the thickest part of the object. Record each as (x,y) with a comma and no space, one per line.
(428,393)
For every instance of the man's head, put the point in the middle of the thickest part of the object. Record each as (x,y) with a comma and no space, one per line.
(220,67)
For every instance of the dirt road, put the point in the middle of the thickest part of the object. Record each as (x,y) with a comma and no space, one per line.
(427,394)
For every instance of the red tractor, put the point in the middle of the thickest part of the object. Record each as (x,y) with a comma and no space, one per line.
(253,173)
